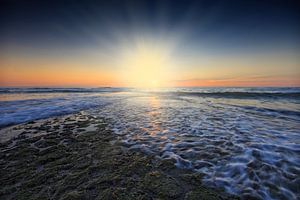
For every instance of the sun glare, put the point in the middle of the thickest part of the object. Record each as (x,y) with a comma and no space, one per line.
(146,65)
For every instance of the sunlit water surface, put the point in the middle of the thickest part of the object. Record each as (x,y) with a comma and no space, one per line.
(244,140)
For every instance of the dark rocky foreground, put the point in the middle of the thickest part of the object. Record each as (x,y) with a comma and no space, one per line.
(77,157)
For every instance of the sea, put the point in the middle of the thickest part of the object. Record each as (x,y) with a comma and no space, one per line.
(245,141)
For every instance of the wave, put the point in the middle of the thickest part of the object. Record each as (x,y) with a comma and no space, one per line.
(278,113)
(20,111)
(198,91)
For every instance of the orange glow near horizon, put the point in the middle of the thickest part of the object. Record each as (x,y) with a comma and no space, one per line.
(246,82)
(60,76)
(50,73)
(149,65)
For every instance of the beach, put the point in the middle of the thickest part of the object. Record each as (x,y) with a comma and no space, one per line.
(78,157)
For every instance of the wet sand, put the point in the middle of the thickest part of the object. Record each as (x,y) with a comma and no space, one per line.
(78,157)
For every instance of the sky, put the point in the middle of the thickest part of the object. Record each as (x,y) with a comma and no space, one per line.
(140,43)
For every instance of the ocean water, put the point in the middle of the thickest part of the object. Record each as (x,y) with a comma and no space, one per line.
(243,140)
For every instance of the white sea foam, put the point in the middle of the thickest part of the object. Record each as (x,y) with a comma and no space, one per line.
(28,109)
(249,152)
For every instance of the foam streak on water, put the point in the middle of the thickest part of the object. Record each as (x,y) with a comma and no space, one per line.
(244,140)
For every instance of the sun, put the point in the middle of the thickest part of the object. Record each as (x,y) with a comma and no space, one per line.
(146,64)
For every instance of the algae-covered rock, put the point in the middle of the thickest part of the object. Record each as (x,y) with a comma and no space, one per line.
(202,194)
(193,178)
(162,184)
(167,164)
(74,161)
(113,193)
(73,195)
(119,193)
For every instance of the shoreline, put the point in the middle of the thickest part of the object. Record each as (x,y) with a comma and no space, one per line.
(77,157)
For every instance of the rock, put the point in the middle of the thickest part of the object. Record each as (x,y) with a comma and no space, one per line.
(73,195)
(162,184)
(65,164)
(200,194)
